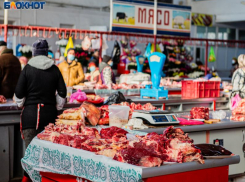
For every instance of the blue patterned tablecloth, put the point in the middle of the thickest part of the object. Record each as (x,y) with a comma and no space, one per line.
(50,157)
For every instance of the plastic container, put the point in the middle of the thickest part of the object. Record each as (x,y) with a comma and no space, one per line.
(118,115)
(200,89)
(68,93)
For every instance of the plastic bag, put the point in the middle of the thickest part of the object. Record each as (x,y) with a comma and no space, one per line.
(116,52)
(234,101)
(148,50)
(78,96)
(116,98)
(211,57)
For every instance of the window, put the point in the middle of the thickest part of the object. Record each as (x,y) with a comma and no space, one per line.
(201,32)
(241,34)
(231,33)
(66,26)
(211,32)
(222,34)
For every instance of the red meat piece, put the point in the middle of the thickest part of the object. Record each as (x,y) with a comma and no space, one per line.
(2,99)
(200,113)
(137,156)
(108,133)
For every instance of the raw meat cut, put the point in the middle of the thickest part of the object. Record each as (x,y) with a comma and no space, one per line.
(149,151)
(238,114)
(212,150)
(200,113)
(2,99)
(72,116)
(108,133)
(240,109)
(238,118)
(137,156)
(92,113)
(148,161)
(119,86)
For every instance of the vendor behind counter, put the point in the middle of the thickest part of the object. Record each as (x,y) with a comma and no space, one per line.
(238,79)
(94,73)
(106,73)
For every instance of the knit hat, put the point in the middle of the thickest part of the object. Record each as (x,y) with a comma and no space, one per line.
(40,48)
(106,58)
(70,50)
(2,43)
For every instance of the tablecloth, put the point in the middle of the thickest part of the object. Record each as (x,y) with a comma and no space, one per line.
(50,157)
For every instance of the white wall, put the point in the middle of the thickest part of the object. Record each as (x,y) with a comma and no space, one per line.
(54,16)
(225,10)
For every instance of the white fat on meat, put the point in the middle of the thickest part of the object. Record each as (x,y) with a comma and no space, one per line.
(148,161)
(107,152)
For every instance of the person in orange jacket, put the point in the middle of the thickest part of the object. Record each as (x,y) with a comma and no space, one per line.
(94,73)
(71,70)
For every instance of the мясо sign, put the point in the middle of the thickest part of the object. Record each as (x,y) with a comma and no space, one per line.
(138,16)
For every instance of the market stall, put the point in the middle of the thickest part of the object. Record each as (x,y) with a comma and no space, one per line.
(10,119)
(75,164)
(115,154)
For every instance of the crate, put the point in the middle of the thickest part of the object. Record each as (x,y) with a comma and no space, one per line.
(200,89)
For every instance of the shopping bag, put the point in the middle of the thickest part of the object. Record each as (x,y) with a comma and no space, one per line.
(211,57)
(234,101)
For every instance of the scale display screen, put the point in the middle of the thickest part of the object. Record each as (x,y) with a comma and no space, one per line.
(164,118)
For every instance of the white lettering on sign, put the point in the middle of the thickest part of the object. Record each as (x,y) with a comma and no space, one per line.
(155,58)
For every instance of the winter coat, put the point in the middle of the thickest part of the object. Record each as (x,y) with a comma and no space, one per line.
(238,82)
(106,74)
(73,73)
(10,69)
(36,91)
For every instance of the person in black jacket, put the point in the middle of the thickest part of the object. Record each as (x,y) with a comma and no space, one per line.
(36,92)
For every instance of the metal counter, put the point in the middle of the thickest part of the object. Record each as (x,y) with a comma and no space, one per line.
(189,166)
(224,124)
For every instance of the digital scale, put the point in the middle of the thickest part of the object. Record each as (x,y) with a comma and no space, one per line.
(156,117)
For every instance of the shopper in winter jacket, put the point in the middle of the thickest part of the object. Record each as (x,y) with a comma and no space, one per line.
(10,69)
(106,73)
(71,70)
(238,78)
(41,91)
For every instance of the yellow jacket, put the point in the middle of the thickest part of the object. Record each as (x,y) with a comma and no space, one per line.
(72,74)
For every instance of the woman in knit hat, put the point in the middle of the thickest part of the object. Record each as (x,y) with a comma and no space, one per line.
(106,73)
(36,91)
